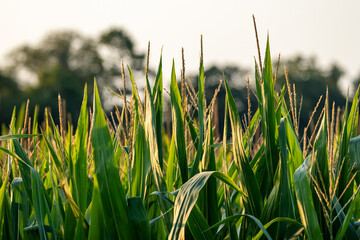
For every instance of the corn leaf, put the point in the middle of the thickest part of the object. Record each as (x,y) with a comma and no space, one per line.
(107,175)
(211,210)
(269,122)
(354,151)
(3,205)
(349,120)
(187,197)
(286,202)
(138,218)
(17,136)
(178,126)
(140,153)
(158,108)
(305,203)
(201,116)
(151,137)
(248,182)
(96,230)
(80,164)
(171,168)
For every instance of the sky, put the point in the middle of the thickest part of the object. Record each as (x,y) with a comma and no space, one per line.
(325,29)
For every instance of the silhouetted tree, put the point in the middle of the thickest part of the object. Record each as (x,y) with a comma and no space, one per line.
(121,46)
(10,96)
(64,61)
(356,83)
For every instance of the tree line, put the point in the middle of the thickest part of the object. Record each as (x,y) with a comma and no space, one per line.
(63,61)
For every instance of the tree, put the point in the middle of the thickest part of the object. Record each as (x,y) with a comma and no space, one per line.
(356,83)
(64,61)
(9,97)
(121,46)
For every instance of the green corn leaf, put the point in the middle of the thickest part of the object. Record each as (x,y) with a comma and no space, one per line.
(17,136)
(136,98)
(319,160)
(275,220)
(153,221)
(232,218)
(354,151)
(96,230)
(319,169)
(20,209)
(224,193)
(20,118)
(80,164)
(193,131)
(347,229)
(201,116)
(107,175)
(140,160)
(295,153)
(305,203)
(24,166)
(35,131)
(164,196)
(211,210)
(354,145)
(41,204)
(349,120)
(140,156)
(151,137)
(178,126)
(3,205)
(269,122)
(187,198)
(13,120)
(7,225)
(171,168)
(248,182)
(144,157)
(63,150)
(69,223)
(56,161)
(263,228)
(250,132)
(158,107)
(150,133)
(197,224)
(35,189)
(139,218)
(286,203)
(73,214)
(225,131)
(272,206)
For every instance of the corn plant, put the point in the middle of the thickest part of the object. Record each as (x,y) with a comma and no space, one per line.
(126,177)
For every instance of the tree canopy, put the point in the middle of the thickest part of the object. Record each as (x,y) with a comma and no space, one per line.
(62,63)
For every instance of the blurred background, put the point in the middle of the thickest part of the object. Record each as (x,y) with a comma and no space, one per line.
(51,47)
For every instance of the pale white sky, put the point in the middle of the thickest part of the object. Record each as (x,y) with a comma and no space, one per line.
(328,29)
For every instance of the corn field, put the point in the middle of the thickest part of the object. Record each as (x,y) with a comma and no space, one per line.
(125,177)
